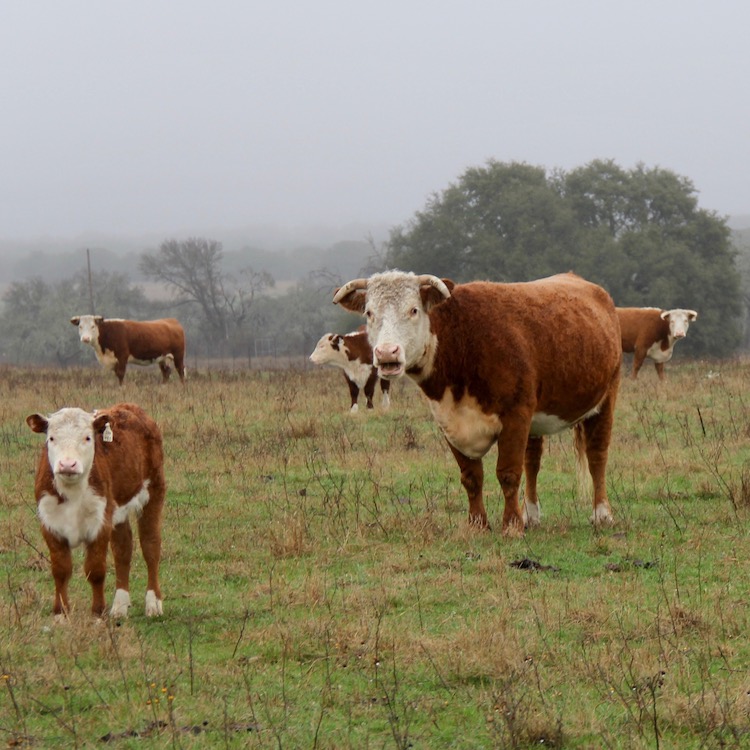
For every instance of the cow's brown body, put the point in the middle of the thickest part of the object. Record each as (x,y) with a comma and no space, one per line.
(87,496)
(505,364)
(117,342)
(650,332)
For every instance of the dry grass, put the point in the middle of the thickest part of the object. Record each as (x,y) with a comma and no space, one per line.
(323,589)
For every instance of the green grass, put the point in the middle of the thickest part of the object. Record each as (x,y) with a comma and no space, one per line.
(323,589)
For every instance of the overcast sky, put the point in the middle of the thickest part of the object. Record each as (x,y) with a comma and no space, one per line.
(187,116)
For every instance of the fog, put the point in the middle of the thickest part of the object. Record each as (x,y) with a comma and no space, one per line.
(161,119)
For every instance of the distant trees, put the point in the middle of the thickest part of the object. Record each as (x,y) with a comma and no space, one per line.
(192,269)
(637,232)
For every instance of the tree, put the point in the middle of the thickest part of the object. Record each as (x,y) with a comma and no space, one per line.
(639,233)
(193,270)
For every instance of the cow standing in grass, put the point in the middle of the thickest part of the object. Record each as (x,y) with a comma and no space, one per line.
(96,469)
(652,332)
(117,342)
(505,364)
(353,354)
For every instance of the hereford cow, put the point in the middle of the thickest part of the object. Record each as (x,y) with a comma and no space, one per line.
(117,342)
(353,354)
(96,469)
(651,332)
(505,364)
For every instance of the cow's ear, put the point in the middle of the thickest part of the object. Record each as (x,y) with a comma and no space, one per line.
(100,421)
(664,315)
(37,422)
(354,301)
(76,320)
(431,296)
(450,284)
(98,318)
(692,315)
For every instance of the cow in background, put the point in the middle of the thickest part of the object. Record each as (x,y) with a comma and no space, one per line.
(117,342)
(353,354)
(501,364)
(652,332)
(95,469)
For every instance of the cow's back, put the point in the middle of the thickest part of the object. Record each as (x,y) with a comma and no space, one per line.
(641,327)
(554,343)
(133,455)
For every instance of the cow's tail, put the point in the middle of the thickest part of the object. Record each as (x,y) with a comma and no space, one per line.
(585,486)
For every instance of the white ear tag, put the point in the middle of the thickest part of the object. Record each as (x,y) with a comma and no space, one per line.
(107,433)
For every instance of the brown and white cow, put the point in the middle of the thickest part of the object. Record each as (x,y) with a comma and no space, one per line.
(353,354)
(505,364)
(652,332)
(116,342)
(95,469)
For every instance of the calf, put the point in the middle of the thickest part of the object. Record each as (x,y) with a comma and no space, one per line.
(504,364)
(353,354)
(117,342)
(95,469)
(651,332)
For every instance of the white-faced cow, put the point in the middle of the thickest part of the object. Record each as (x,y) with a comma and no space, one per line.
(117,342)
(353,354)
(505,364)
(652,332)
(95,469)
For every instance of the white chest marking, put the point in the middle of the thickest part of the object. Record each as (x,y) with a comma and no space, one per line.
(465,426)
(78,519)
(358,372)
(661,355)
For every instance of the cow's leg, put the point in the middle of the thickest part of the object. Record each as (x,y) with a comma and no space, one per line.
(165,370)
(597,431)
(95,569)
(659,369)
(638,356)
(472,479)
(511,450)
(385,388)
(370,387)
(532,513)
(353,392)
(120,367)
(62,569)
(149,535)
(179,365)
(122,551)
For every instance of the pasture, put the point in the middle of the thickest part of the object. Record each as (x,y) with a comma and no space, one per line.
(322,588)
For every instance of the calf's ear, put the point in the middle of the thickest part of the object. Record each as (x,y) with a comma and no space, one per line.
(37,422)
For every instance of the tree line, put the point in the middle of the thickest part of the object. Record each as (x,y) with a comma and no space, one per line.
(638,232)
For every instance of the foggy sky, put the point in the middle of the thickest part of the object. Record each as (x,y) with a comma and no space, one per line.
(187,116)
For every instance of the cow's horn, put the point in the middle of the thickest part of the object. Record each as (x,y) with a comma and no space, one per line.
(431,280)
(350,286)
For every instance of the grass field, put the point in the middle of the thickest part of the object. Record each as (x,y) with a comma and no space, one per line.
(322,588)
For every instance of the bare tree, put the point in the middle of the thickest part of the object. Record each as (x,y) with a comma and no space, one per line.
(192,269)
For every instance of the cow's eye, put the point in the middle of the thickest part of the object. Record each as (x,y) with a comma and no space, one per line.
(368,314)
(414,312)
(51,439)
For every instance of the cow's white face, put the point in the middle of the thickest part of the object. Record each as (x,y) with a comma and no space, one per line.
(679,321)
(330,350)
(398,325)
(88,329)
(70,443)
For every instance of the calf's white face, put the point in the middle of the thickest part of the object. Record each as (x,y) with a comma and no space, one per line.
(679,321)
(70,443)
(329,351)
(398,326)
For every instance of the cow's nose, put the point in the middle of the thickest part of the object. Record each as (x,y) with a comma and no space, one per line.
(387,352)
(679,334)
(85,339)
(67,466)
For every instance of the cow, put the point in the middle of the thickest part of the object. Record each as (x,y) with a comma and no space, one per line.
(93,471)
(652,332)
(116,342)
(353,354)
(505,364)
